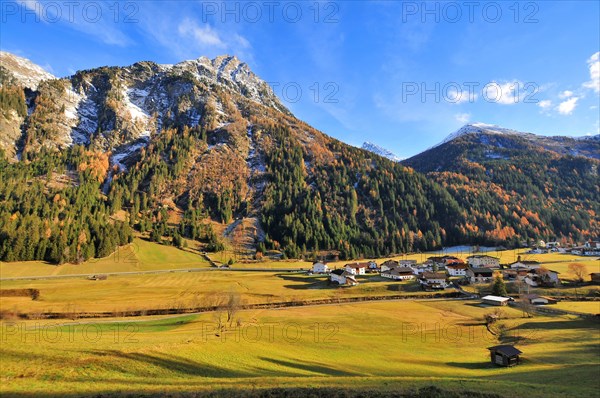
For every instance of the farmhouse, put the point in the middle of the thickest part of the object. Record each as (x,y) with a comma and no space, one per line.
(342,277)
(495,300)
(399,273)
(389,264)
(320,268)
(434,280)
(483,260)
(504,355)
(480,275)
(357,268)
(539,300)
(457,269)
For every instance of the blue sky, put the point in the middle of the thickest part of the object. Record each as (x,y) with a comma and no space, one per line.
(402,74)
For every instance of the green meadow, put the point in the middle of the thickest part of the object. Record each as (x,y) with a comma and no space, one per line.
(395,345)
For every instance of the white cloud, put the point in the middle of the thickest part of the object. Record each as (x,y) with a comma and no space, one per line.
(565,94)
(506,93)
(463,117)
(594,66)
(545,104)
(567,107)
(204,35)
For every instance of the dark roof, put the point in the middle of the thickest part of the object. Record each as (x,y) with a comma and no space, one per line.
(483,256)
(338,271)
(482,271)
(357,265)
(506,350)
(398,271)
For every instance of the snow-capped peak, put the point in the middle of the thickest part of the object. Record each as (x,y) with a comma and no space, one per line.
(480,128)
(376,149)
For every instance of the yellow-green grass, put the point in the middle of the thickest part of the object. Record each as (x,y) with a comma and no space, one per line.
(188,289)
(592,265)
(383,345)
(588,307)
(141,255)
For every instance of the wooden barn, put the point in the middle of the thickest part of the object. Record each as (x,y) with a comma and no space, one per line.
(504,355)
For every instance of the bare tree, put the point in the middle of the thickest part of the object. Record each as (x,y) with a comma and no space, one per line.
(233,306)
(579,271)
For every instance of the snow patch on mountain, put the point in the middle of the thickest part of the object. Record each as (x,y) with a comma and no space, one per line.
(480,128)
(26,72)
(378,150)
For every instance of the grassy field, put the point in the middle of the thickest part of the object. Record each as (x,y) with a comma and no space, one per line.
(188,289)
(588,307)
(384,345)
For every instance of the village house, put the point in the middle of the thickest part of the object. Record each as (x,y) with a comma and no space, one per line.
(342,277)
(372,267)
(504,355)
(525,264)
(399,273)
(389,264)
(320,268)
(444,260)
(434,280)
(517,274)
(480,275)
(483,260)
(357,268)
(547,277)
(420,268)
(495,300)
(457,269)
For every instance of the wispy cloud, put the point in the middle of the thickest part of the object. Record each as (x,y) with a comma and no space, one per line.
(594,67)
(545,104)
(97,19)
(463,117)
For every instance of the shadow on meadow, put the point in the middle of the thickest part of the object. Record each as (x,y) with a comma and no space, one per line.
(129,363)
(308,367)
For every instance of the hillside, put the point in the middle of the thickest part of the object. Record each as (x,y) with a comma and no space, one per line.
(519,185)
(173,150)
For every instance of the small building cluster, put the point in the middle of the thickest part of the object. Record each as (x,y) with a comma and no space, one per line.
(590,248)
(433,274)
